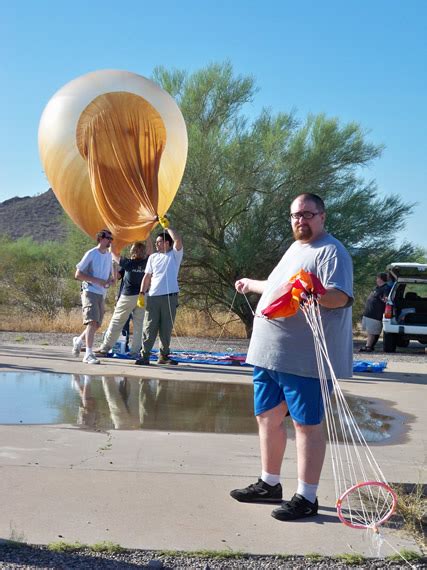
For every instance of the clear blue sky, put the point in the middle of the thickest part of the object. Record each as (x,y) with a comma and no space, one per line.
(358,60)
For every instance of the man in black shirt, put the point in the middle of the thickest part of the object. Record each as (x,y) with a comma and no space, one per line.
(134,268)
(373,313)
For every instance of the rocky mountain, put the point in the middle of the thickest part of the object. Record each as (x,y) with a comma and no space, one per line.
(40,217)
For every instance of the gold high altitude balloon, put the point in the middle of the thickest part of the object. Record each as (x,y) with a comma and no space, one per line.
(113,146)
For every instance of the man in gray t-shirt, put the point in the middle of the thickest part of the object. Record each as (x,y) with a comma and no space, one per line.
(286,377)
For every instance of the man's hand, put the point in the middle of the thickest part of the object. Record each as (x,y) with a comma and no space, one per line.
(246,285)
(164,222)
(242,285)
(101,282)
(80,276)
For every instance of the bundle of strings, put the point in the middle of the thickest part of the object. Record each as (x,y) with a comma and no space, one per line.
(364,499)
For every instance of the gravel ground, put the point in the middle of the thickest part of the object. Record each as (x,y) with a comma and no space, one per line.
(416,352)
(32,556)
(29,556)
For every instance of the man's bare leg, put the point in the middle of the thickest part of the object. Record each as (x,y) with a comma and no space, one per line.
(272,438)
(311,448)
(82,337)
(91,329)
(372,340)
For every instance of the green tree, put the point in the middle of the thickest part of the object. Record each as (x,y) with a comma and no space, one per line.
(233,204)
(76,241)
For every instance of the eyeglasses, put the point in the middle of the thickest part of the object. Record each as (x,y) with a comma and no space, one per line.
(306,215)
(108,237)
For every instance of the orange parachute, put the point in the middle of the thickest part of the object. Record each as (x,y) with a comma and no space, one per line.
(113,145)
(287,297)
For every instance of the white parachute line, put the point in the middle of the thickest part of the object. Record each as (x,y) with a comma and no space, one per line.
(345,411)
(331,428)
(227,320)
(369,504)
(398,552)
(221,332)
(249,305)
(337,460)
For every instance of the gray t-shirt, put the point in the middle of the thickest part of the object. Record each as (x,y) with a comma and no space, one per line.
(287,345)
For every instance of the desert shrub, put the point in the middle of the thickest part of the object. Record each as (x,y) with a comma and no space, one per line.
(35,276)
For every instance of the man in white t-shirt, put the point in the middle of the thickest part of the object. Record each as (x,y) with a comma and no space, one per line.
(95,270)
(160,287)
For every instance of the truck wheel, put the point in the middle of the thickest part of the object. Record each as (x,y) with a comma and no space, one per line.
(389,342)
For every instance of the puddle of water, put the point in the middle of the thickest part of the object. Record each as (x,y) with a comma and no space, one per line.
(127,403)
(112,402)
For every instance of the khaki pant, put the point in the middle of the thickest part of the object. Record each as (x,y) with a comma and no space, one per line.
(125,306)
(93,307)
(160,312)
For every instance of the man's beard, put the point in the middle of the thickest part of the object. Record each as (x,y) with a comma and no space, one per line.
(303,233)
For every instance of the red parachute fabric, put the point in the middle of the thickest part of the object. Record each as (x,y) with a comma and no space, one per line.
(290,295)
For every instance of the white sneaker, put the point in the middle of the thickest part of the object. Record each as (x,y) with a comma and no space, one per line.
(91,359)
(77,345)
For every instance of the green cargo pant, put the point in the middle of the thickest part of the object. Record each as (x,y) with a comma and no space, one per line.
(159,317)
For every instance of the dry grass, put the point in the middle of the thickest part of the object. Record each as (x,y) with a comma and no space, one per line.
(411,506)
(18,321)
(198,324)
(188,323)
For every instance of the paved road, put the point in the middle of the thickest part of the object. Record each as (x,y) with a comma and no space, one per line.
(169,490)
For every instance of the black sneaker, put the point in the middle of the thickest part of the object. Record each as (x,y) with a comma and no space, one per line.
(142,361)
(297,508)
(258,492)
(165,360)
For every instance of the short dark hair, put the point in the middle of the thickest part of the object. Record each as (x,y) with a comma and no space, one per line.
(103,234)
(320,204)
(383,276)
(166,237)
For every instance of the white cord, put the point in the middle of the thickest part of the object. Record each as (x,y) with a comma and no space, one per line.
(352,460)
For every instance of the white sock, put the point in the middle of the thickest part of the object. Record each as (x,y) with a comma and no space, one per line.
(308,491)
(89,350)
(269,478)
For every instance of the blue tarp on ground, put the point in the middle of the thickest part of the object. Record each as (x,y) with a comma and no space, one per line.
(199,357)
(239,359)
(368,366)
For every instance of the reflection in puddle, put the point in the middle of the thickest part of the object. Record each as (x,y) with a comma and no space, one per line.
(127,403)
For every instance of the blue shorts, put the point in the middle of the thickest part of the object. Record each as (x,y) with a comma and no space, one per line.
(302,395)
